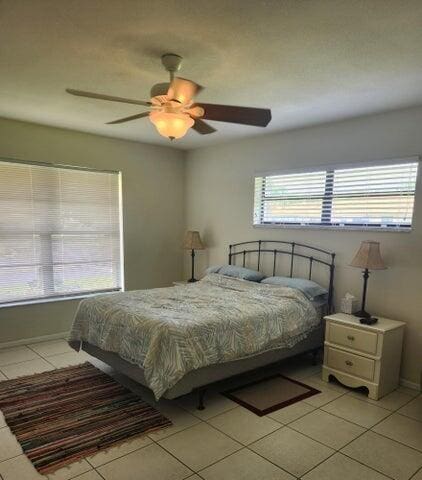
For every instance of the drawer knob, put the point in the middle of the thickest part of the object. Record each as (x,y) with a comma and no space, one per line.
(348,363)
(350,337)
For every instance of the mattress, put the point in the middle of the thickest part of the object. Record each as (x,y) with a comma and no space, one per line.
(169,332)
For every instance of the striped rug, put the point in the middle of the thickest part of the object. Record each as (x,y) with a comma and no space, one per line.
(61,416)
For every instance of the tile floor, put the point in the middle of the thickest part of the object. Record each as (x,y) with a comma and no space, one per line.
(339,433)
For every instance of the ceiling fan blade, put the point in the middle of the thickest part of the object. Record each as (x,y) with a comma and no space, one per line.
(259,117)
(128,119)
(202,127)
(100,96)
(183,90)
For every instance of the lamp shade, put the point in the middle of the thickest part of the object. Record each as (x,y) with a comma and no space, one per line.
(368,256)
(171,125)
(193,241)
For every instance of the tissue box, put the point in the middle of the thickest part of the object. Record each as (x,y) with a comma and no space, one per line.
(349,305)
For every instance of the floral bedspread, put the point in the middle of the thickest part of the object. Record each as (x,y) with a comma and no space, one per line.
(172,331)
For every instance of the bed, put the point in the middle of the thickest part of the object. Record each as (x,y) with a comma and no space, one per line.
(178,339)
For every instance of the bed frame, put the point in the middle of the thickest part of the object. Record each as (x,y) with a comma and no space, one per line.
(211,376)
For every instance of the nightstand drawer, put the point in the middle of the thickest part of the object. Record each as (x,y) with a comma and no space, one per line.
(361,340)
(348,362)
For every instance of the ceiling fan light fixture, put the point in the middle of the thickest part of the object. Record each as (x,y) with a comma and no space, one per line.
(171,125)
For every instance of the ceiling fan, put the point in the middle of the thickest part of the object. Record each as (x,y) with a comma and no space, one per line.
(173,110)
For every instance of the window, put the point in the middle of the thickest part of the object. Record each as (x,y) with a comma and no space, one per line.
(59,231)
(373,196)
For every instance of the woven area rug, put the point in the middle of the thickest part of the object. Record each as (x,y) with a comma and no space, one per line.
(63,415)
(270,394)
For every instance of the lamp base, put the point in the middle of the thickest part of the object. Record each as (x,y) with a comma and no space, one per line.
(368,321)
(362,314)
(192,280)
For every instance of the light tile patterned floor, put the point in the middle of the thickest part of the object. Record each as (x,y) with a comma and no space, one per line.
(339,433)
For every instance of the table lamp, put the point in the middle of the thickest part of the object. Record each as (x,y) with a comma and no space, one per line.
(193,242)
(367,257)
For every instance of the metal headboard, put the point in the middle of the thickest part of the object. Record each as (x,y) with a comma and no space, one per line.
(308,252)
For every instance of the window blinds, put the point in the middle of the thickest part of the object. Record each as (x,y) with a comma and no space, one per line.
(377,196)
(59,232)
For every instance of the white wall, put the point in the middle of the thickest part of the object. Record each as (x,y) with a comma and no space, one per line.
(153,184)
(214,195)
(219,203)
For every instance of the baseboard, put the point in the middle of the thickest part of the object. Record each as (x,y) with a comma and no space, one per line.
(409,384)
(26,341)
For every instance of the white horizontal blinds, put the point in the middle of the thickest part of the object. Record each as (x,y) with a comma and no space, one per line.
(371,196)
(292,198)
(375,196)
(59,232)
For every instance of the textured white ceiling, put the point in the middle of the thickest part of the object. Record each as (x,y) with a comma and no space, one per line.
(310,61)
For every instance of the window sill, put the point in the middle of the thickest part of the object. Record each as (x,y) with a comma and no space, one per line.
(23,303)
(336,228)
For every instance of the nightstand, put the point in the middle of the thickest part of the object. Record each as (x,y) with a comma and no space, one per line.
(363,355)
